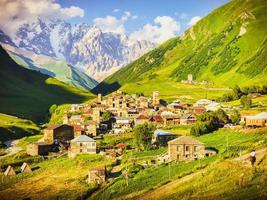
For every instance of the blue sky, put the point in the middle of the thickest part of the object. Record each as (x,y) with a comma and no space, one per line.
(151,20)
(146,10)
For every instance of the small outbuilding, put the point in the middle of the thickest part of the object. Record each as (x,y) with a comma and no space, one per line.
(97,175)
(9,171)
(25,168)
(162,137)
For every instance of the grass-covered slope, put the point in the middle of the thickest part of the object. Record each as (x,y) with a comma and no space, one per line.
(54,67)
(227,47)
(29,94)
(13,127)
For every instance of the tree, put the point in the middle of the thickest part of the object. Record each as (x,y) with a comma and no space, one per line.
(198,129)
(143,135)
(106,115)
(245,101)
(52,109)
(235,117)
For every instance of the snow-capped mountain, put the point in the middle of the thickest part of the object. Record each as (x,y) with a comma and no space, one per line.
(83,46)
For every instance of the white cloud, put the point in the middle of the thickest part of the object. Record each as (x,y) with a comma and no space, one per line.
(14,13)
(134,17)
(164,28)
(116,10)
(112,23)
(193,20)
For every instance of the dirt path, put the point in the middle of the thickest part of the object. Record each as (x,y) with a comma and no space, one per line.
(12,148)
(259,156)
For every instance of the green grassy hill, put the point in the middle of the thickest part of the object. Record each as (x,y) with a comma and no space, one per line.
(29,94)
(226,48)
(53,67)
(13,127)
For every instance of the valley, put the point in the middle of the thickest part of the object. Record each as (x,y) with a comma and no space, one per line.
(130,101)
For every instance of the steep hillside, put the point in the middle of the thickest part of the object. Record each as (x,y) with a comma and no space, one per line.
(29,94)
(226,48)
(51,66)
(13,127)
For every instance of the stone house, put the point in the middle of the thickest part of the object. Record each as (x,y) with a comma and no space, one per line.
(58,133)
(162,137)
(197,110)
(170,118)
(141,119)
(82,144)
(185,148)
(78,130)
(187,119)
(124,123)
(91,128)
(76,119)
(259,120)
(39,148)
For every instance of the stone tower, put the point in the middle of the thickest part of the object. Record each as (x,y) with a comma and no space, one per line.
(189,77)
(99,98)
(155,98)
(65,119)
(96,115)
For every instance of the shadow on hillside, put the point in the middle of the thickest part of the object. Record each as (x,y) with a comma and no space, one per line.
(106,88)
(34,67)
(14,132)
(28,94)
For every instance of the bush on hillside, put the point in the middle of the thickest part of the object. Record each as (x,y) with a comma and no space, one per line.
(235,117)
(208,122)
(143,135)
(246,101)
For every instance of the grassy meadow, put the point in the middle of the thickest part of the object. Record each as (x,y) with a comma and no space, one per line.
(13,127)
(62,178)
(229,143)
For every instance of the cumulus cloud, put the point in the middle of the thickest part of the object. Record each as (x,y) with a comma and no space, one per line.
(14,13)
(193,20)
(112,23)
(164,28)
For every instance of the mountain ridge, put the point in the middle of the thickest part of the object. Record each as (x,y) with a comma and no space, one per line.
(86,47)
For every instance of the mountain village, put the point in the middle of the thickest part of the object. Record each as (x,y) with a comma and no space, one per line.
(133,100)
(85,124)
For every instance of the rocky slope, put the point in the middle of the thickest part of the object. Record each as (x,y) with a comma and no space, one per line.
(83,46)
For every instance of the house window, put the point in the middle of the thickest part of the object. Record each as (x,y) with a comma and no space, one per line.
(81,144)
(93,144)
(178,148)
(81,150)
(186,148)
(195,148)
